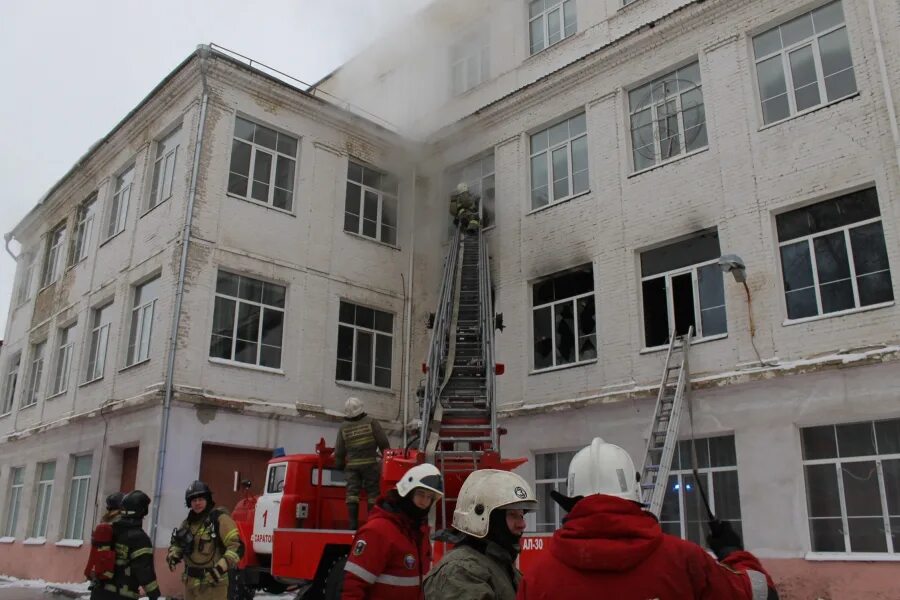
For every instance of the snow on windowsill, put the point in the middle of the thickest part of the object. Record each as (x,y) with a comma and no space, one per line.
(852,557)
(38,541)
(69,543)
(7,540)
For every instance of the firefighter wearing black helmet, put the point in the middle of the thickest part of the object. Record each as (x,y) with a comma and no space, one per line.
(134,554)
(209,544)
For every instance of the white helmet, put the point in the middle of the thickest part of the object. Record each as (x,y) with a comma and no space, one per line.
(423,476)
(603,468)
(353,407)
(485,490)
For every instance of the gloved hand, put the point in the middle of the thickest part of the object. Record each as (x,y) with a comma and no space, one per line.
(219,570)
(723,539)
(172,559)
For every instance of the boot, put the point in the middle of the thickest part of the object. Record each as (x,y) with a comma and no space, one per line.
(353,515)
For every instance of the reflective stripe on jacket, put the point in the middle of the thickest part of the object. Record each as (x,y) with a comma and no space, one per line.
(389,558)
(611,548)
(358,442)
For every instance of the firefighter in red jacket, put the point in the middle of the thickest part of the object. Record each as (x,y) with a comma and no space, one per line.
(609,547)
(391,553)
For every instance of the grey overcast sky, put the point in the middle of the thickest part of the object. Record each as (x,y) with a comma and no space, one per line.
(73,69)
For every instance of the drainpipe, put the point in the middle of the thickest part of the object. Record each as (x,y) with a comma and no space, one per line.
(7,237)
(885,83)
(203,53)
(408,333)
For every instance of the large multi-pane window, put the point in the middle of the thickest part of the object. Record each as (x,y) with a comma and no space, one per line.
(853,486)
(550,21)
(84,226)
(563,317)
(833,256)
(145,296)
(100,323)
(14,500)
(551,470)
(559,162)
(667,117)
(263,162)
(43,499)
(164,168)
(371,203)
(248,321)
(64,344)
(10,382)
(365,345)
(35,374)
(78,496)
(682,287)
(683,513)
(804,63)
(53,256)
(478,175)
(118,205)
(23,291)
(469,62)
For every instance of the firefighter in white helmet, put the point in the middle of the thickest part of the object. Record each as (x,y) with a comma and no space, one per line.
(610,547)
(356,452)
(489,521)
(391,553)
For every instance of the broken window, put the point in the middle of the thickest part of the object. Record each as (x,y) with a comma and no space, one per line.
(565,330)
(478,175)
(53,255)
(853,486)
(365,345)
(83,228)
(248,321)
(163,180)
(682,287)
(550,21)
(833,256)
(263,163)
(682,512)
(371,203)
(118,207)
(35,374)
(559,161)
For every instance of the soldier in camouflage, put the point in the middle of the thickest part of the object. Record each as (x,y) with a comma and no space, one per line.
(209,543)
(356,452)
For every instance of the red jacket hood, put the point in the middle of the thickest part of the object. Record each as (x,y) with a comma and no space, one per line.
(604,533)
(384,510)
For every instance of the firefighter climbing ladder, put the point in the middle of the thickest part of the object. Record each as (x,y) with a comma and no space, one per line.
(459,420)
(663,439)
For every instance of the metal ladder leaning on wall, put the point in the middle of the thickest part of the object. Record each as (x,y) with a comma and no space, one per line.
(663,439)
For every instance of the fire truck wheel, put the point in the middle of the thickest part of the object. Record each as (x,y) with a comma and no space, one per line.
(237,589)
(334,583)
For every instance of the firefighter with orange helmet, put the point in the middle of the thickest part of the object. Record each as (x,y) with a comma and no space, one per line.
(391,553)
(356,451)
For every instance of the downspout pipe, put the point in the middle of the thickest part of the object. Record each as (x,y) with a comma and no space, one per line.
(885,81)
(7,238)
(203,54)
(408,324)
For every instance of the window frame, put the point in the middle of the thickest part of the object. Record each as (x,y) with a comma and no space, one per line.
(32,392)
(161,171)
(838,461)
(13,501)
(558,483)
(43,500)
(119,203)
(560,7)
(473,49)
(787,73)
(552,305)
(83,232)
(77,485)
(273,168)
(655,119)
(381,194)
(62,364)
(99,330)
(13,366)
(237,300)
(138,351)
(570,156)
(23,289)
(375,333)
(456,175)
(53,255)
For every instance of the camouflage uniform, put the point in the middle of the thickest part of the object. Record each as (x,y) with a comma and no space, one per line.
(210,556)
(356,451)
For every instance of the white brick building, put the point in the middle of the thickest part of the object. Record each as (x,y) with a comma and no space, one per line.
(625,148)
